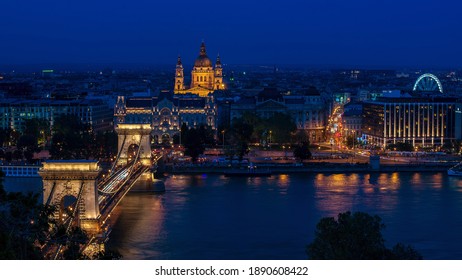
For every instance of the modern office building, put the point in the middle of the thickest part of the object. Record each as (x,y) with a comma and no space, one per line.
(420,120)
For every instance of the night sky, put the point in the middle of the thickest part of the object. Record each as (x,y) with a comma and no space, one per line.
(367,33)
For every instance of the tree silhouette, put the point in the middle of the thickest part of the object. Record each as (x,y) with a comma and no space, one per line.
(355,236)
(302,151)
(27,230)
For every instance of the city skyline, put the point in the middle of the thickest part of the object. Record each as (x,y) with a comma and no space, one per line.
(328,34)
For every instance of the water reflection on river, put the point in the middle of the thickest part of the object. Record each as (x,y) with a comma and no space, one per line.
(213,217)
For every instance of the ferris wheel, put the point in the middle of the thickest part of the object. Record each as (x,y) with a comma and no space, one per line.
(428,83)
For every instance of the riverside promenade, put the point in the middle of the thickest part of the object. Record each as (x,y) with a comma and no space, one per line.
(282,162)
(318,167)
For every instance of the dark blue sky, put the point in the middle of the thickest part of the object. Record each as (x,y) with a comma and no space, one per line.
(371,33)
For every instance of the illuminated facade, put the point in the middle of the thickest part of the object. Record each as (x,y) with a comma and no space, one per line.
(420,121)
(133,139)
(204,78)
(166,113)
(73,179)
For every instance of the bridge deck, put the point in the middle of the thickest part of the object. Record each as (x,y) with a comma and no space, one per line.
(110,202)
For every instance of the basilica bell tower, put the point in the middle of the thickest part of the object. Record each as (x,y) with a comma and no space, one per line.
(218,84)
(179,76)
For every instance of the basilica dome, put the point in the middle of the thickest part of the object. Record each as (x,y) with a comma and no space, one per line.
(203,60)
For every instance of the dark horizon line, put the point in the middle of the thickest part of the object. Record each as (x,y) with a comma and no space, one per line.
(22,67)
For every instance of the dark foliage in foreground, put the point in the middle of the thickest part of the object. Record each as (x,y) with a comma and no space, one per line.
(28,232)
(355,236)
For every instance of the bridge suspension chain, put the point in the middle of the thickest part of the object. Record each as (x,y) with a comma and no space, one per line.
(130,169)
(51,194)
(71,218)
(118,154)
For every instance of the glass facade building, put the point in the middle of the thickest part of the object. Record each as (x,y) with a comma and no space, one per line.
(420,121)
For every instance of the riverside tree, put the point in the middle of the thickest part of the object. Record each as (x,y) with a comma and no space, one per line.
(356,236)
(27,229)
(302,152)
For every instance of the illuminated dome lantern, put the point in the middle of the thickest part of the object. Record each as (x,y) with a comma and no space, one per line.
(203,60)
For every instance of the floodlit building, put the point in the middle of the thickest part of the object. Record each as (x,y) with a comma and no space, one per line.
(204,77)
(419,120)
(166,113)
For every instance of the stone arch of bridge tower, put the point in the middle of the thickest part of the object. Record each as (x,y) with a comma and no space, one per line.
(67,206)
(134,134)
(76,178)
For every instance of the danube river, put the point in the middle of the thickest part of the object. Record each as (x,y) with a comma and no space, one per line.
(213,217)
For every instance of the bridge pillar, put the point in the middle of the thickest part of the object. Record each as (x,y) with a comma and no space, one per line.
(73,178)
(134,134)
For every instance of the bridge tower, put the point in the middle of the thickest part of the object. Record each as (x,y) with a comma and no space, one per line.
(133,127)
(134,138)
(73,180)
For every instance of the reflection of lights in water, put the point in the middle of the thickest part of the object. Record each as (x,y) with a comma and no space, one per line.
(150,224)
(283,183)
(388,182)
(383,179)
(311,195)
(353,177)
(337,182)
(437,181)
(395,178)
(256,181)
(368,190)
(337,193)
(319,177)
(416,178)
(284,179)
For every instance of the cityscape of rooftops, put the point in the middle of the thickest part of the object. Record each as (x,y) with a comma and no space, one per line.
(230,131)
